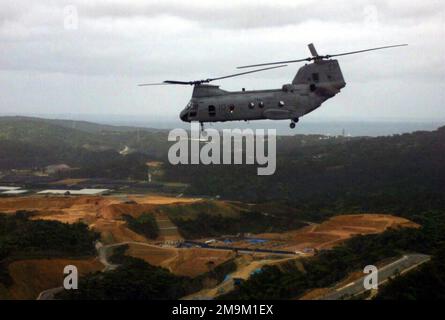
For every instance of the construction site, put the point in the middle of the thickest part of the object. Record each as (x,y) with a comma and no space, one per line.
(106,214)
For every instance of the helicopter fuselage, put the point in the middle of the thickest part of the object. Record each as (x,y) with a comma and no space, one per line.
(313,84)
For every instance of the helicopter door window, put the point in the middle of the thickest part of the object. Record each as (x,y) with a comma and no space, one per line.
(231,108)
(316,77)
(251,105)
(212,111)
(261,104)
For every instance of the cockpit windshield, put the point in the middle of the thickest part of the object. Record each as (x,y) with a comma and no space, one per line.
(192,105)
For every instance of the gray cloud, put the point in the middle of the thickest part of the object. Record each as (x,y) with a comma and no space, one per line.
(118,44)
(252,15)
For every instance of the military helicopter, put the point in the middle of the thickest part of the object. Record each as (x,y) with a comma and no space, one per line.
(313,84)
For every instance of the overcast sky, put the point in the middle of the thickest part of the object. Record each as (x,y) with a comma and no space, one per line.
(87,56)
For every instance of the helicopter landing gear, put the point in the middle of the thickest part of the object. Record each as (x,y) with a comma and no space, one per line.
(202,126)
(293,123)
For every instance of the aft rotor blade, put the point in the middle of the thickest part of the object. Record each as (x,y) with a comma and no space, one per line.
(242,73)
(360,51)
(272,63)
(151,84)
(321,57)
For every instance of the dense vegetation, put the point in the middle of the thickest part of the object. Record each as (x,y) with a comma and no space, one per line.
(135,279)
(425,283)
(21,237)
(205,225)
(145,224)
(328,171)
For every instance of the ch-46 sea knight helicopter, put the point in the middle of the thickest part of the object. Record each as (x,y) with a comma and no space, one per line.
(313,84)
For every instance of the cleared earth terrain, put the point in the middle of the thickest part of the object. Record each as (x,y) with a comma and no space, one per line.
(106,215)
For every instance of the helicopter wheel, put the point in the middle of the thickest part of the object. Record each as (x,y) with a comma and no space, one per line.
(292,125)
(295,120)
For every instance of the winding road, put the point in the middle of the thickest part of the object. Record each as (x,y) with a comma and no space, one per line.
(403,265)
(103,254)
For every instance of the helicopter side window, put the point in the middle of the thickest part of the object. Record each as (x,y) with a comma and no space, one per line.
(316,77)
(212,111)
(313,87)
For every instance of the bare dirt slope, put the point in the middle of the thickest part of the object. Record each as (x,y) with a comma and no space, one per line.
(102,213)
(336,230)
(185,262)
(30,277)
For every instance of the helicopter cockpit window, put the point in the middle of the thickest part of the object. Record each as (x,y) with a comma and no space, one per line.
(189,105)
(316,77)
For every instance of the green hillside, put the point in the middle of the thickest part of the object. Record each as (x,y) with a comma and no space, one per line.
(30,143)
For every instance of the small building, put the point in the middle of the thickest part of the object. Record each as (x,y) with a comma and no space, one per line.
(257,241)
(238,281)
(82,192)
(256,271)
(56,168)
(14,192)
(3,188)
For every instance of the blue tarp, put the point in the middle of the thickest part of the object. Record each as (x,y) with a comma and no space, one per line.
(253,241)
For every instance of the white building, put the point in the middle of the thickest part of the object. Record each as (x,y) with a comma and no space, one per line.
(14,192)
(82,192)
(2,188)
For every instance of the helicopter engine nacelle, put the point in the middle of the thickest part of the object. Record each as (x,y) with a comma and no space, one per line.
(321,71)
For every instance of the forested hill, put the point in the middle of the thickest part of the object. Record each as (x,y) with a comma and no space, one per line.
(310,168)
(30,143)
(392,166)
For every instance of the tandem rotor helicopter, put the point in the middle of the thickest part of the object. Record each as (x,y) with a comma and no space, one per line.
(313,84)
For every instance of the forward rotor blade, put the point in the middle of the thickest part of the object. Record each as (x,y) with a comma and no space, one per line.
(165,83)
(198,82)
(247,72)
(178,82)
(360,51)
